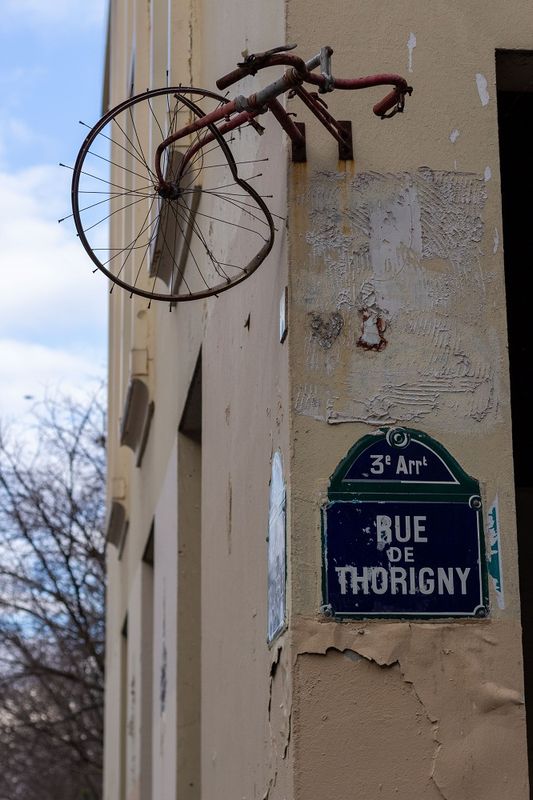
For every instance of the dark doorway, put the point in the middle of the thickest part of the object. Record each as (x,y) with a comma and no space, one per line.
(514,70)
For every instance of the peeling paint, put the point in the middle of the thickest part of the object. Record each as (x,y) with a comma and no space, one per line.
(454,135)
(482,88)
(372,318)
(411,44)
(373,328)
(487,174)
(455,723)
(279,715)
(351,656)
(496,241)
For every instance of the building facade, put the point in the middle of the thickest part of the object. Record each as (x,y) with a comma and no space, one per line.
(241,663)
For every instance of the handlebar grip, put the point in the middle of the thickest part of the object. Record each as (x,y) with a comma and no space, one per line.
(388,102)
(232,77)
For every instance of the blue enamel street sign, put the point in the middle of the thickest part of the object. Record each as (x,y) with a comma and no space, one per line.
(402,532)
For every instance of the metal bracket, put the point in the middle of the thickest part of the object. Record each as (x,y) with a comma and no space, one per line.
(346,147)
(299,153)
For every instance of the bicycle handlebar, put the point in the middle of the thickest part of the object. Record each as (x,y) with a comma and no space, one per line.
(232,77)
(396,98)
(303,74)
(256,62)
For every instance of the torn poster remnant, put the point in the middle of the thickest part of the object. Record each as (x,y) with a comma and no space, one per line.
(495,560)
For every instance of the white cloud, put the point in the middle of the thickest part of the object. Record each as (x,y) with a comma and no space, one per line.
(14,129)
(53,310)
(53,12)
(28,371)
(46,281)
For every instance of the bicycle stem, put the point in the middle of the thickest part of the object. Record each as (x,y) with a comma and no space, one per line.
(300,71)
(249,108)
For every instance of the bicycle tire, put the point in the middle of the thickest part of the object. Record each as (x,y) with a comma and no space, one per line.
(165,248)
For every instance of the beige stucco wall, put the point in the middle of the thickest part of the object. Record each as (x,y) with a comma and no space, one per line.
(409,232)
(245,419)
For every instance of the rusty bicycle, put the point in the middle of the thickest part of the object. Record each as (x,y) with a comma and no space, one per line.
(165,173)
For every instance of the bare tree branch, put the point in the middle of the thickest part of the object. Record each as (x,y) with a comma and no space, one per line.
(52,578)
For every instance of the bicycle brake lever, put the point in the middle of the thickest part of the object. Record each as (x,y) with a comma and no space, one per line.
(281,49)
(254,58)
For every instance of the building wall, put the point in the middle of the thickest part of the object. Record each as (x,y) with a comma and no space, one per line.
(207,631)
(197,704)
(410,233)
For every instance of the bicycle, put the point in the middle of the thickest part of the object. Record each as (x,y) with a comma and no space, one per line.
(194,227)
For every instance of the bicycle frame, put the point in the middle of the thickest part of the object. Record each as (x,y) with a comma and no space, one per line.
(161,209)
(244,110)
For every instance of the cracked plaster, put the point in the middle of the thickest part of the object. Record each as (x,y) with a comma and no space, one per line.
(444,699)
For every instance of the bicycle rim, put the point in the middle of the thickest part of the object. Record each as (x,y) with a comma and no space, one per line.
(211,235)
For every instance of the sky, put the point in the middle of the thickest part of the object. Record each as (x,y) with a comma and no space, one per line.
(53,309)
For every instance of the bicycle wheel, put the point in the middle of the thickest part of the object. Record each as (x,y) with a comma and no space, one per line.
(206,233)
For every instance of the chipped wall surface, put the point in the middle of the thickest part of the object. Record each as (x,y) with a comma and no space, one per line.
(397,317)
(405,710)
(391,260)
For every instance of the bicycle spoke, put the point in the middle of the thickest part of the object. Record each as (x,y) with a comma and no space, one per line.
(141,264)
(240,205)
(118,144)
(178,246)
(112,214)
(190,249)
(236,183)
(241,202)
(233,224)
(138,140)
(124,169)
(206,152)
(174,262)
(139,154)
(190,172)
(133,244)
(105,200)
(208,250)
(97,178)
(156,120)
(132,192)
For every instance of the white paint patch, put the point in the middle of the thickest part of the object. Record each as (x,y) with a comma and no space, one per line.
(406,247)
(395,238)
(496,241)
(411,44)
(487,174)
(482,88)
(454,135)
(371,336)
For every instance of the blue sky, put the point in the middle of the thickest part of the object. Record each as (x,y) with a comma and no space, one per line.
(52,308)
